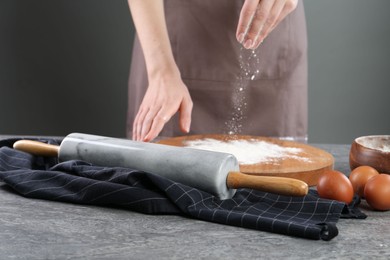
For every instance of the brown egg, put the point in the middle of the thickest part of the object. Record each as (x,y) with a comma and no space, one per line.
(377,192)
(359,177)
(336,186)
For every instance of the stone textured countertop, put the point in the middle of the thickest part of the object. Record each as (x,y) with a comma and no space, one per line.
(38,229)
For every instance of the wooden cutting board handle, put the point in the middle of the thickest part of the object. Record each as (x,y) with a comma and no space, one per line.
(37,148)
(278,185)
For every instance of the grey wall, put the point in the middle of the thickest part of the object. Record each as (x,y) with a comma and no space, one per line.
(64,67)
(349,69)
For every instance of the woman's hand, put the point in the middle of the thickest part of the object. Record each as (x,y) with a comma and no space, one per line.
(259,17)
(166,93)
(165,96)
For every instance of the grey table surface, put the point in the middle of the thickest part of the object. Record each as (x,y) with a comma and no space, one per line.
(39,229)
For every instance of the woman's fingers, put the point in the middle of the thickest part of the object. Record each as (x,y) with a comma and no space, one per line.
(259,17)
(185,115)
(273,16)
(154,127)
(157,109)
(246,16)
(154,121)
(147,125)
(138,121)
(258,24)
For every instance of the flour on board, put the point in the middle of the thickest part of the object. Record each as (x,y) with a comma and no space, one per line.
(249,151)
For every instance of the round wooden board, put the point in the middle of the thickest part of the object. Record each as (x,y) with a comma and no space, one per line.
(313,163)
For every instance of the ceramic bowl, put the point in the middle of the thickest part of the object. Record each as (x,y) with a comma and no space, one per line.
(373,150)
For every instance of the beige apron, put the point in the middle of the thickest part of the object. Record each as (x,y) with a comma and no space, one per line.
(234,90)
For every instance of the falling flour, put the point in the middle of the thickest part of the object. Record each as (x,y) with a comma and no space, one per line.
(249,151)
(248,61)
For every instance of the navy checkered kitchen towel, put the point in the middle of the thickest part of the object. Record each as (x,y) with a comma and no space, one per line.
(83,183)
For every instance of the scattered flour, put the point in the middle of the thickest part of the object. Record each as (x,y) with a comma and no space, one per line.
(249,151)
(248,60)
(376,142)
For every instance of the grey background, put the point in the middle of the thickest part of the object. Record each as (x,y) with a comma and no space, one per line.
(64,67)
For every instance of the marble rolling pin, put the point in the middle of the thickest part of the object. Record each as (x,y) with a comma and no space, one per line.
(214,172)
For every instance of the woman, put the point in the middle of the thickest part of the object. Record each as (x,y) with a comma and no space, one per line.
(207,61)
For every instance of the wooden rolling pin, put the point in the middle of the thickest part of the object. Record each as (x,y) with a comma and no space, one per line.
(214,172)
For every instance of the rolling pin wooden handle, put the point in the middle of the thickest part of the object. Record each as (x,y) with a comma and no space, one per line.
(278,185)
(37,148)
